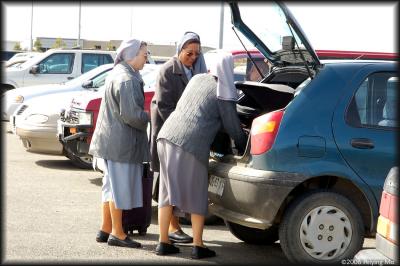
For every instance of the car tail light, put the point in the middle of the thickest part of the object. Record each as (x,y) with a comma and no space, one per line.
(387,229)
(387,221)
(263,131)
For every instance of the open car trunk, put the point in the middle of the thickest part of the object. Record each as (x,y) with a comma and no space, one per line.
(255,99)
(260,98)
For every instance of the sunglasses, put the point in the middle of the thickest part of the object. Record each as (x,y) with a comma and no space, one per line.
(190,54)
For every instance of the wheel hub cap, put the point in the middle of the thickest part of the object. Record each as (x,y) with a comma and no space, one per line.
(325,233)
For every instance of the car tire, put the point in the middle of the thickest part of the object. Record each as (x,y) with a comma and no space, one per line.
(254,236)
(84,162)
(321,227)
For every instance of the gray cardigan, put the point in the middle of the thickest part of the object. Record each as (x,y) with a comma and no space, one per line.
(198,117)
(170,84)
(120,133)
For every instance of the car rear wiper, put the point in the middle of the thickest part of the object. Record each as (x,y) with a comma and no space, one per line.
(249,55)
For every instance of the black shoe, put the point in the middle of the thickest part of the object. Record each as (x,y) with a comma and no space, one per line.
(127,242)
(180,237)
(165,249)
(202,252)
(102,236)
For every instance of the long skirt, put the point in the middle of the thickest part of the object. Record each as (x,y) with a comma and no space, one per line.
(122,184)
(183,180)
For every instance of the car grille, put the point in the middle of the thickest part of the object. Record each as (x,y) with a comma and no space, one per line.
(22,109)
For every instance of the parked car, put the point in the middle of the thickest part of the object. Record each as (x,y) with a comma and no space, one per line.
(76,124)
(322,138)
(55,66)
(36,122)
(387,237)
(20,58)
(14,98)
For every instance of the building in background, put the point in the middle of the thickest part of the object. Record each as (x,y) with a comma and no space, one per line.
(162,50)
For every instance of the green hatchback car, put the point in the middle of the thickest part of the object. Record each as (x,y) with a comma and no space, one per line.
(322,139)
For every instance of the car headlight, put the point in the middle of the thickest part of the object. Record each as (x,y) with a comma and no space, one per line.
(37,118)
(19,99)
(85,118)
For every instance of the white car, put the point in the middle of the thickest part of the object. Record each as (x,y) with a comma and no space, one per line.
(55,66)
(14,98)
(36,123)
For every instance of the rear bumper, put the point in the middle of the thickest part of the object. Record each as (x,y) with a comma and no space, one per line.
(386,252)
(387,248)
(75,143)
(40,140)
(370,257)
(250,197)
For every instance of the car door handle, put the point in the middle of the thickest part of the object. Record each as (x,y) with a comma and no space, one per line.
(69,78)
(362,143)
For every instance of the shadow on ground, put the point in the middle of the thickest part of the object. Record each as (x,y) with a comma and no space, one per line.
(97,181)
(59,164)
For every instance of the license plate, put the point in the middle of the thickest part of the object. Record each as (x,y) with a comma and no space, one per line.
(216,185)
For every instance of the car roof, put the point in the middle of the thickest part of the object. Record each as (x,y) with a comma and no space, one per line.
(350,61)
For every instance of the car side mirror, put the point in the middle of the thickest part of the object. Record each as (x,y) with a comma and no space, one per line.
(287,43)
(87,84)
(34,69)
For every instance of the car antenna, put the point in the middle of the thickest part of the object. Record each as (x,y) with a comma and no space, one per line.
(251,58)
(301,53)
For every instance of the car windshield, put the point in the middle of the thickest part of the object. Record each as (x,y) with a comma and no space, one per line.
(149,75)
(38,57)
(94,73)
(268,22)
(100,79)
(27,62)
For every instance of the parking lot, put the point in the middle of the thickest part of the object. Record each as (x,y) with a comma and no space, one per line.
(52,213)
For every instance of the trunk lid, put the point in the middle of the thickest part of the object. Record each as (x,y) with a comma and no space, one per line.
(279,36)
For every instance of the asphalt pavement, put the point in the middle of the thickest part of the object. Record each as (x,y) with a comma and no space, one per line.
(51,214)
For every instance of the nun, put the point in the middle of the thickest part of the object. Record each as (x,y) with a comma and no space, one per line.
(120,139)
(207,105)
(170,84)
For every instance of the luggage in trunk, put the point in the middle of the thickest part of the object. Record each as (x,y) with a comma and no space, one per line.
(256,99)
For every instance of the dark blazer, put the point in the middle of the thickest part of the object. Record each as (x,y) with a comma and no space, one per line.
(170,84)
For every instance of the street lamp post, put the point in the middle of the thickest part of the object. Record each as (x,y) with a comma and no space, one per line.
(31,48)
(131,21)
(221,26)
(79,27)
